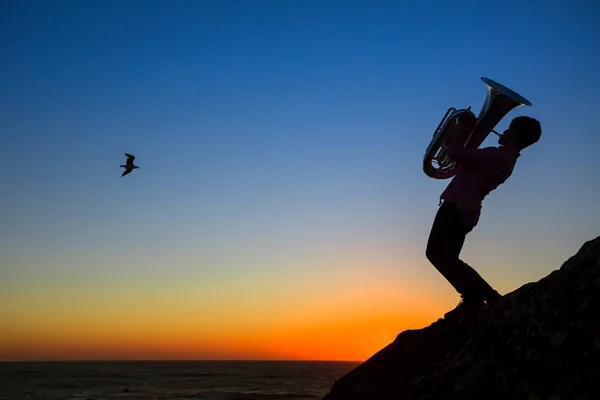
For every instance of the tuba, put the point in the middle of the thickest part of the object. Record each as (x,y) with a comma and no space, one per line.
(499,101)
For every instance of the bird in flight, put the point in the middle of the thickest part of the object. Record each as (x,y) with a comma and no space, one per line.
(129,165)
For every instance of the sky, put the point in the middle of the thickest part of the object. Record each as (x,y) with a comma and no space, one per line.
(280,210)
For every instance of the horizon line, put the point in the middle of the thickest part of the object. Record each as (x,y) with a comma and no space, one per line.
(174,360)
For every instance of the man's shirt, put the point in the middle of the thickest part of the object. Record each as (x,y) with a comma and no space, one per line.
(482,171)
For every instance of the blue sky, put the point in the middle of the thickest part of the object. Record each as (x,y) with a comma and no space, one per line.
(280,144)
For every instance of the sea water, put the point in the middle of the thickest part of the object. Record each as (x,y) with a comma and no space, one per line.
(181,380)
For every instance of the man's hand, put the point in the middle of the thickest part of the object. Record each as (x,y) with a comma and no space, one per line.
(465,125)
(467,118)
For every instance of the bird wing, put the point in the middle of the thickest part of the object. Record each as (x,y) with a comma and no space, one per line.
(130,158)
(126,172)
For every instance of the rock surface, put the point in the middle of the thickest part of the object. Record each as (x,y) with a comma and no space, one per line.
(540,342)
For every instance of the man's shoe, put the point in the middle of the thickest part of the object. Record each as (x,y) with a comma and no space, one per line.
(464,308)
(493,297)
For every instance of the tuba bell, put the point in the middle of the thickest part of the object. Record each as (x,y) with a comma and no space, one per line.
(499,101)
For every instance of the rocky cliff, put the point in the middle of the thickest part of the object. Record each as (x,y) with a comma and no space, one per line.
(540,342)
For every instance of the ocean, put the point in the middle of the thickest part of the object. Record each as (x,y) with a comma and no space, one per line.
(180,380)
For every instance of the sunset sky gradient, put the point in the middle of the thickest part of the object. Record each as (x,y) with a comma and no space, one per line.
(280,210)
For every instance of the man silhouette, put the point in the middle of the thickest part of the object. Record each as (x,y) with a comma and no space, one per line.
(482,171)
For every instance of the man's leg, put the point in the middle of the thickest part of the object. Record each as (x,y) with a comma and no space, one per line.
(443,249)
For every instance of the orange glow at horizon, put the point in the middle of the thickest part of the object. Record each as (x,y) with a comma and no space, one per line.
(352,318)
(347,337)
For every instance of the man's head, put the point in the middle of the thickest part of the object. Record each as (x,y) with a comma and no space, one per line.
(522,132)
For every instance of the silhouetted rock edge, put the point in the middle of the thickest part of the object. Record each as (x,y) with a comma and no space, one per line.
(541,341)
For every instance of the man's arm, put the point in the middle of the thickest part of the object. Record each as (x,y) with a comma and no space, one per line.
(474,157)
